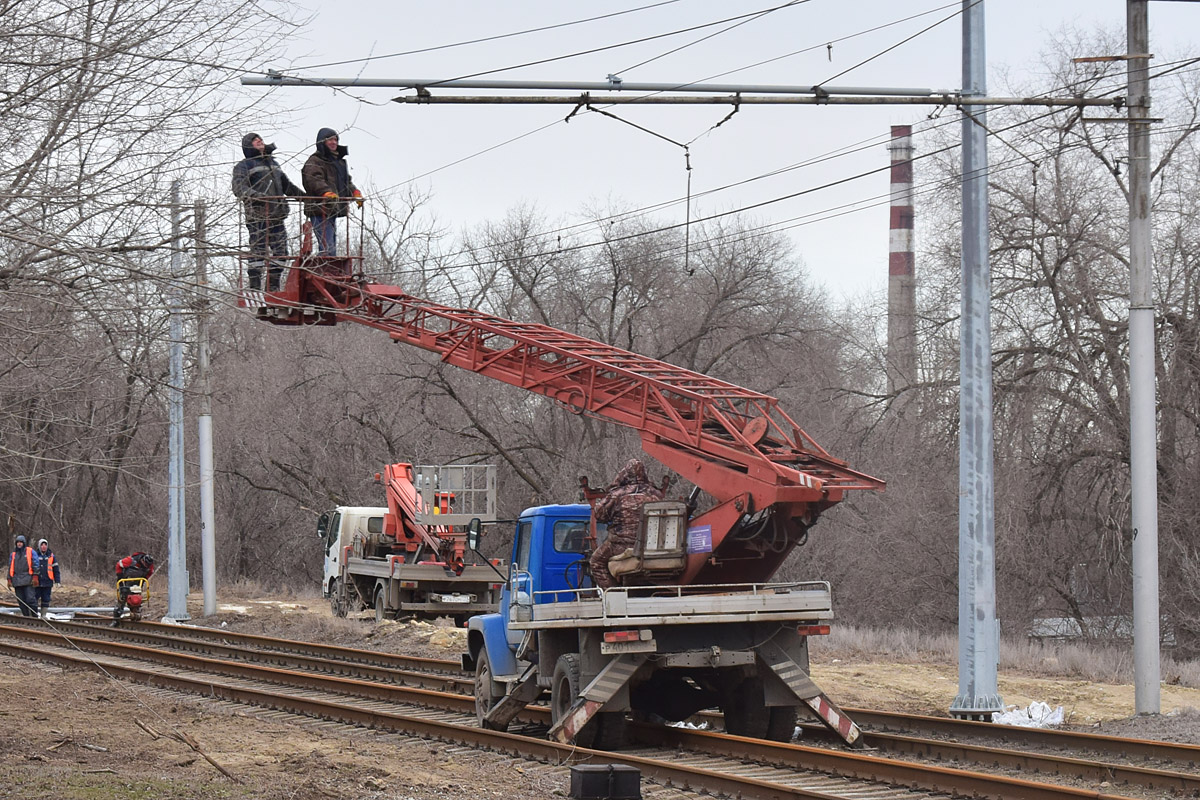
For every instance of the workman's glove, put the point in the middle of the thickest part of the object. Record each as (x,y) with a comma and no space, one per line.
(358,198)
(330,195)
(35,581)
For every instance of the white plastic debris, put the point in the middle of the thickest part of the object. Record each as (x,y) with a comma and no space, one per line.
(1038,715)
(691,726)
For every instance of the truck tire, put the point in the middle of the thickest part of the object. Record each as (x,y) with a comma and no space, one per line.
(781,724)
(745,712)
(486,695)
(606,730)
(380,606)
(335,599)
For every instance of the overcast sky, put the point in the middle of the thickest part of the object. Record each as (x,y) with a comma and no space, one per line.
(458,153)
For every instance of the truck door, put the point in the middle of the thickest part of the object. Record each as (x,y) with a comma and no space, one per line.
(564,560)
(519,590)
(329,528)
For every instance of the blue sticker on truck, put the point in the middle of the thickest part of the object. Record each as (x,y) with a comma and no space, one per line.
(700,539)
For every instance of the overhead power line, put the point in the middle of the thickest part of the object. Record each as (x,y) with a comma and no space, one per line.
(497,37)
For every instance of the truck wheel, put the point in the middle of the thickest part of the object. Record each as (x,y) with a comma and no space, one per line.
(564,689)
(380,607)
(486,695)
(781,725)
(335,603)
(745,712)
(606,730)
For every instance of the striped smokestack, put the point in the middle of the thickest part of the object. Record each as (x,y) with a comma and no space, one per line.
(902,334)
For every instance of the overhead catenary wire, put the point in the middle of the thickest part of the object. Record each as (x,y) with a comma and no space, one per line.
(497,37)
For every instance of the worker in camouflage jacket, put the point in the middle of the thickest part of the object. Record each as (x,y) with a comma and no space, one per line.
(264,188)
(621,509)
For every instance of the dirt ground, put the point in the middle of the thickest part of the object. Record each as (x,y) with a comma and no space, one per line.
(71,735)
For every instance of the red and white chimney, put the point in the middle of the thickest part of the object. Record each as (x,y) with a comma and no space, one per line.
(902,338)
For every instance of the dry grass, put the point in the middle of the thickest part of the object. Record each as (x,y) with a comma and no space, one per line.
(1095,661)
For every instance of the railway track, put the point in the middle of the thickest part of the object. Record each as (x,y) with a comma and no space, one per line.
(354,686)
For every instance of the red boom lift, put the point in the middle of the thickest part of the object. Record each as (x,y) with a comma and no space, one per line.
(769,478)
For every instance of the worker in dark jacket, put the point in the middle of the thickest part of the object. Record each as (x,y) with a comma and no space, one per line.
(23,576)
(621,508)
(135,565)
(327,183)
(49,573)
(264,188)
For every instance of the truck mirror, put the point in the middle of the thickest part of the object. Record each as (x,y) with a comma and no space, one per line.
(474,530)
(322,525)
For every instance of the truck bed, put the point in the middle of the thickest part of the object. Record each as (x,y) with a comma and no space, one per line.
(678,605)
(382,568)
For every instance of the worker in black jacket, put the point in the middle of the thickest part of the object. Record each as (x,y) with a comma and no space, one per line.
(23,576)
(264,188)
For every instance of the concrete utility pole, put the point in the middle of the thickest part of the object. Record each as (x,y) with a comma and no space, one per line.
(208,529)
(902,281)
(177,576)
(1143,435)
(978,632)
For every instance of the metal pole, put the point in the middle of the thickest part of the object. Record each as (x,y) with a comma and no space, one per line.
(208,529)
(613,84)
(978,633)
(1142,423)
(177,576)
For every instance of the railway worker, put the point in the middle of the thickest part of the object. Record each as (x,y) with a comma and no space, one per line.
(49,573)
(264,188)
(327,183)
(621,508)
(135,565)
(22,576)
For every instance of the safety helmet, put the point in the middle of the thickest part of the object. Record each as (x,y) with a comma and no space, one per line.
(145,560)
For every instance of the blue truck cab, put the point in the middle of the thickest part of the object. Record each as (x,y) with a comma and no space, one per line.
(549,551)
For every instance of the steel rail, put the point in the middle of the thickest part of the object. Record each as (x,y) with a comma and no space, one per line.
(872,720)
(1026,761)
(357,655)
(1045,737)
(854,765)
(327,664)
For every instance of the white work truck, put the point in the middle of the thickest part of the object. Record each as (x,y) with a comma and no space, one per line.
(407,558)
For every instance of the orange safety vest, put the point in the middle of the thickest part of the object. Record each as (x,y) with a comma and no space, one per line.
(12,562)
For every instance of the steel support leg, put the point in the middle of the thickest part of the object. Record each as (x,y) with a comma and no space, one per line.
(807,690)
(616,673)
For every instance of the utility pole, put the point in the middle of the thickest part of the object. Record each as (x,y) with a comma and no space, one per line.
(978,632)
(177,576)
(1143,434)
(208,530)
